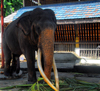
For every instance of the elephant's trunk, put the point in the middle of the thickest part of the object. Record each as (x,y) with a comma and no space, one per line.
(47,43)
(47,47)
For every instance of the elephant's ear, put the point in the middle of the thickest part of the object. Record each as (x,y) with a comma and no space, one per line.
(35,32)
(25,24)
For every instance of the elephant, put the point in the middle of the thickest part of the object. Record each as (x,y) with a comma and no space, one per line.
(32,30)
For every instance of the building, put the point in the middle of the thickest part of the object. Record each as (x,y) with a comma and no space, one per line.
(45,2)
(78,25)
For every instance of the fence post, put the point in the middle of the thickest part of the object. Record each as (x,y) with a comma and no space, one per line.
(77,51)
(2,29)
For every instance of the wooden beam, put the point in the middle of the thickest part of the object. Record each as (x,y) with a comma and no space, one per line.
(79,21)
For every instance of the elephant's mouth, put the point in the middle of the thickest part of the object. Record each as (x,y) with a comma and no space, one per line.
(44,76)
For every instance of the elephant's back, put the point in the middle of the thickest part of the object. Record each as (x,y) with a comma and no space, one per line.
(10,37)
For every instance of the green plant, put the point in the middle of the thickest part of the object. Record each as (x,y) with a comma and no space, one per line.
(12,5)
(65,84)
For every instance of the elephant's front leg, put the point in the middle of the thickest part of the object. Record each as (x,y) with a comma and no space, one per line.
(30,57)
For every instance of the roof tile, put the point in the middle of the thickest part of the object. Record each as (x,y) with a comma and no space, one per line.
(77,10)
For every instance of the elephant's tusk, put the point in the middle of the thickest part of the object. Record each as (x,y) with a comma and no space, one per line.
(43,75)
(56,74)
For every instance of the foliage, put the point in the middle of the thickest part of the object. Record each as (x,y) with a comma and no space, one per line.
(12,5)
(65,85)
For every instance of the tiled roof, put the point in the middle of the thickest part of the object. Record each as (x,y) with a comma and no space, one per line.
(76,10)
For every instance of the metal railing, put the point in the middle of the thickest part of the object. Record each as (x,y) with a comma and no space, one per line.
(63,46)
(90,53)
(89,50)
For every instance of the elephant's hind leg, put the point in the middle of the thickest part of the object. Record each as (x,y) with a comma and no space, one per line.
(7,57)
(15,64)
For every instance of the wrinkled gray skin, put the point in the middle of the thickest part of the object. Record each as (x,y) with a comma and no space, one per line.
(24,36)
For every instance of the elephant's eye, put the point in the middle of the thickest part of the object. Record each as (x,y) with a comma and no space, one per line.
(38,29)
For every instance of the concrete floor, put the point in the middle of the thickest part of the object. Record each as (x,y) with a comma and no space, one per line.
(66,70)
(93,77)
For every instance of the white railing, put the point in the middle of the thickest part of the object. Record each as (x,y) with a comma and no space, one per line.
(89,50)
(90,53)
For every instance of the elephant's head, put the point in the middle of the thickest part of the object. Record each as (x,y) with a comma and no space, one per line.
(40,25)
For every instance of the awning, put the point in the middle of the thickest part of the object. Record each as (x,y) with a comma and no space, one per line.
(67,13)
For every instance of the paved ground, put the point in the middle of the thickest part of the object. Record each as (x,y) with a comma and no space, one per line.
(23,79)
(67,72)
(94,78)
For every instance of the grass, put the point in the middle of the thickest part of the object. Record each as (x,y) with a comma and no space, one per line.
(65,85)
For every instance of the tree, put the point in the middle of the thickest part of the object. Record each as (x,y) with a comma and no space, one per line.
(12,5)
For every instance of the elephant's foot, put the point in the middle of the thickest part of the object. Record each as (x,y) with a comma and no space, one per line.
(14,70)
(42,82)
(30,82)
(17,70)
(7,72)
(31,78)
